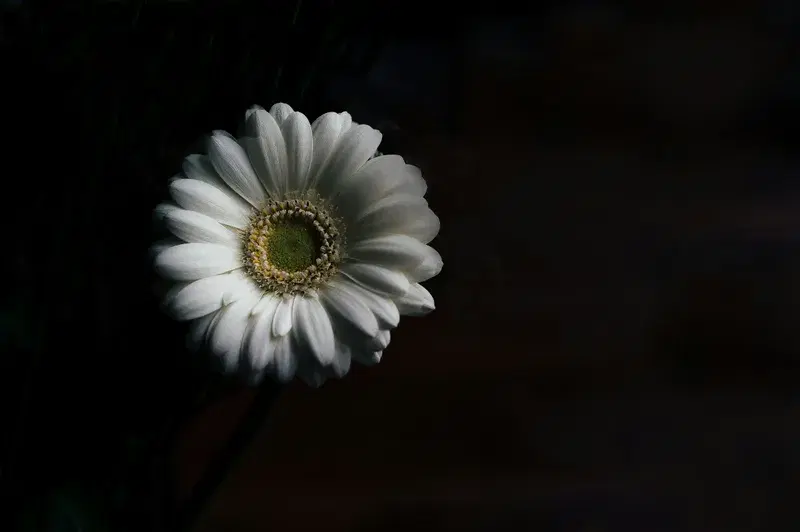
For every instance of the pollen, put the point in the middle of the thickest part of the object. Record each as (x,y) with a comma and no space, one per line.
(292,246)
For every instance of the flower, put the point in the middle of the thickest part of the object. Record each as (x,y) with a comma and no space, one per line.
(298,247)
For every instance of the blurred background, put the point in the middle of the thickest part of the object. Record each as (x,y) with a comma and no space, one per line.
(614,346)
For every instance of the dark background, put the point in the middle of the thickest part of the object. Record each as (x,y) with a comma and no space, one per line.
(615,346)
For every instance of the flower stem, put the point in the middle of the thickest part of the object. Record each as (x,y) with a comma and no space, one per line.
(224,461)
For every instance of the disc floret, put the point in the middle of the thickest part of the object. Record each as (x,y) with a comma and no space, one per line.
(292,247)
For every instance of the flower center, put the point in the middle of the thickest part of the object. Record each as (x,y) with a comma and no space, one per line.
(291,247)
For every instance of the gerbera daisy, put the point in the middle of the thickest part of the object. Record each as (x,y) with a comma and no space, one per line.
(298,246)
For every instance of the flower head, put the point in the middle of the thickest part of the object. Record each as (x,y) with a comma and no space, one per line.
(297,246)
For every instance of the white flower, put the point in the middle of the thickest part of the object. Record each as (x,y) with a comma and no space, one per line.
(297,247)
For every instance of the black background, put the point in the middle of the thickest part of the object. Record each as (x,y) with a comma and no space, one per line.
(615,342)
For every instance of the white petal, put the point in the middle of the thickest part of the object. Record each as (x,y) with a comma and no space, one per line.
(381,340)
(377,179)
(312,328)
(398,214)
(312,375)
(162,210)
(267,151)
(347,121)
(341,361)
(313,380)
(241,285)
(257,123)
(414,184)
(193,226)
(268,303)
(260,343)
(383,308)
(430,267)
(282,322)
(416,302)
(285,359)
(228,333)
(232,164)
(392,201)
(161,245)
(204,296)
(280,111)
(199,330)
(187,262)
(250,111)
(326,129)
(199,167)
(376,278)
(396,252)
(367,358)
(169,296)
(354,149)
(346,304)
(299,149)
(199,196)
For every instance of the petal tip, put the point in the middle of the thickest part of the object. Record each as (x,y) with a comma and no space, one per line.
(253,109)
